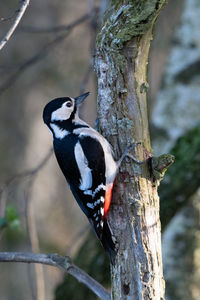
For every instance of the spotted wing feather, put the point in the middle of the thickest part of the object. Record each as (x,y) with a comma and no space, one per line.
(95,195)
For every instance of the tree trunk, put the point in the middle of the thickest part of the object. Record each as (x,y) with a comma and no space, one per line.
(121,59)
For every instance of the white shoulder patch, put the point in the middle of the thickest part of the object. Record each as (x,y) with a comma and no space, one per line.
(111,165)
(85,171)
(59,133)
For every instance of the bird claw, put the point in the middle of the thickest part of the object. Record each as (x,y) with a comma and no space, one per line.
(126,153)
(135,160)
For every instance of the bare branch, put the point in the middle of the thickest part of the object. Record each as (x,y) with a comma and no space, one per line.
(32,171)
(85,79)
(39,287)
(16,22)
(39,55)
(28,29)
(34,59)
(2,19)
(64,263)
(76,239)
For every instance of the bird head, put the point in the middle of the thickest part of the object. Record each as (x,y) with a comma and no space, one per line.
(62,109)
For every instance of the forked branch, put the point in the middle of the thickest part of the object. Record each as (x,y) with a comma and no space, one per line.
(63,263)
(14,25)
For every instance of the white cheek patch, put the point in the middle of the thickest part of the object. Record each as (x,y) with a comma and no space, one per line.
(62,113)
(85,171)
(59,133)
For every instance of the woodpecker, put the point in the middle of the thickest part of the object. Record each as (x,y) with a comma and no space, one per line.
(86,160)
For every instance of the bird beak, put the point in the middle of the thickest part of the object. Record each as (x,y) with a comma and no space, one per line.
(80,99)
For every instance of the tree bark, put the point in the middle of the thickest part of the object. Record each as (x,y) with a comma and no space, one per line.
(121,58)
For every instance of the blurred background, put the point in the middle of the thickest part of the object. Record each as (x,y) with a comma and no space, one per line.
(51,55)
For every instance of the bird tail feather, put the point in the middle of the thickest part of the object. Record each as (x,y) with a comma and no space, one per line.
(108,243)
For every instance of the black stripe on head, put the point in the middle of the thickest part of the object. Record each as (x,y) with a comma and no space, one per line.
(53,106)
(69,125)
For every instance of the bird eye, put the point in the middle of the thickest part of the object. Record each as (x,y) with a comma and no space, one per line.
(69,104)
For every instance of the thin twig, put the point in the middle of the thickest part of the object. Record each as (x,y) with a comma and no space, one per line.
(61,262)
(30,268)
(30,172)
(30,221)
(86,78)
(33,243)
(3,200)
(39,55)
(32,285)
(76,239)
(2,19)
(14,25)
(34,59)
(53,29)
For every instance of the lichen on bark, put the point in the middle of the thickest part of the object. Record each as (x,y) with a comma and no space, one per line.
(121,58)
(160,165)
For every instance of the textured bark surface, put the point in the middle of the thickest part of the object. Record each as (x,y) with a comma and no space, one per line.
(121,59)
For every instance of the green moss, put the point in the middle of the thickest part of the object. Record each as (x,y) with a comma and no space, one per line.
(144,87)
(183,177)
(160,165)
(136,16)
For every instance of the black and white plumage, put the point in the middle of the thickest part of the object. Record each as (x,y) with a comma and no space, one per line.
(86,160)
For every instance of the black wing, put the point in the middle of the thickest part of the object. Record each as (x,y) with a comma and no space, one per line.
(91,200)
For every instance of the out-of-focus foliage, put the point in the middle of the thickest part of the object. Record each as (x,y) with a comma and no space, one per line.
(30,77)
(11,218)
(183,177)
(176,110)
(91,258)
(181,250)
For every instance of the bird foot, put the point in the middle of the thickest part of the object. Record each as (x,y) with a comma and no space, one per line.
(126,154)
